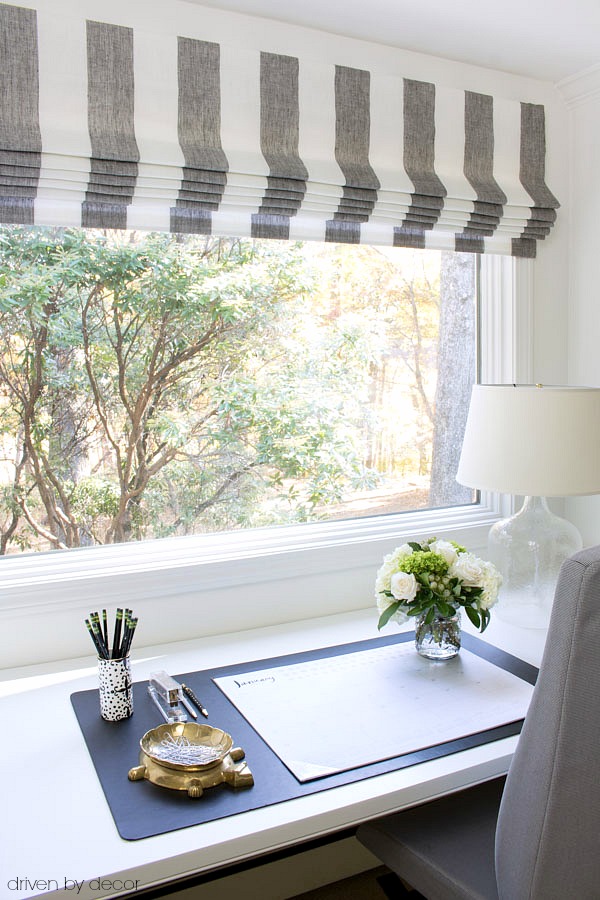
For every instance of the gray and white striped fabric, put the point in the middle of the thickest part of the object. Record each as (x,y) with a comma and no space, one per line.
(115,156)
(20,137)
(104,125)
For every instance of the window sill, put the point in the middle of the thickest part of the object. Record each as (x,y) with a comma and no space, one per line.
(226,560)
(184,588)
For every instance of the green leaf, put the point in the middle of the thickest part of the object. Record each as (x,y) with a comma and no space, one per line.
(444,608)
(414,545)
(473,615)
(387,614)
(430,615)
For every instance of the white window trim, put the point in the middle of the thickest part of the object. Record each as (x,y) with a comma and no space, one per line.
(250,564)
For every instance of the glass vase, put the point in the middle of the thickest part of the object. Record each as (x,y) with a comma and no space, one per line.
(438,639)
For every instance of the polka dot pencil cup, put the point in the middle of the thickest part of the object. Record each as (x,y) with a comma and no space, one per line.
(114,667)
(116,695)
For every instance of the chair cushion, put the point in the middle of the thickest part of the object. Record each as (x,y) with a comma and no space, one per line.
(445,848)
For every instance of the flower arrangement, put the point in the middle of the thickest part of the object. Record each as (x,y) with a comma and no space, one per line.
(435,579)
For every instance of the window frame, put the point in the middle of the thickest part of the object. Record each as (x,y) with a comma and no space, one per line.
(257,566)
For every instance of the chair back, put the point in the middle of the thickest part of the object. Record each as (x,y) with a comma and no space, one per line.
(548,832)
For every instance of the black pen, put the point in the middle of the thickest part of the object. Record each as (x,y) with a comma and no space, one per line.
(194,699)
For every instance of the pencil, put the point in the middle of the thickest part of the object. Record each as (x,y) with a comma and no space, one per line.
(117,634)
(128,637)
(95,620)
(105,627)
(189,707)
(97,645)
(125,625)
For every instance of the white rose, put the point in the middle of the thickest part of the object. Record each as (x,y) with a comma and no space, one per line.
(468,569)
(404,586)
(445,550)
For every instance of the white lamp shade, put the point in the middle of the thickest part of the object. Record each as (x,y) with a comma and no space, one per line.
(534,440)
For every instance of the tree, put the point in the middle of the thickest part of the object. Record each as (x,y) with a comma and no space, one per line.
(454,382)
(146,386)
(157,385)
(395,293)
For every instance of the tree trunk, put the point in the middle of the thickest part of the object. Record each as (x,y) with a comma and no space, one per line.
(456,374)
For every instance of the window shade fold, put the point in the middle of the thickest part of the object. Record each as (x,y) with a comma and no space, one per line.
(352,128)
(419,159)
(231,140)
(199,130)
(115,155)
(20,137)
(279,133)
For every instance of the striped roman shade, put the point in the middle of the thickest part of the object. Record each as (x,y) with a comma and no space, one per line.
(109,126)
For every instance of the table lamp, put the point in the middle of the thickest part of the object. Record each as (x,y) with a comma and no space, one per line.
(537,441)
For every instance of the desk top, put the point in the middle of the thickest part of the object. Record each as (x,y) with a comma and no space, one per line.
(53,801)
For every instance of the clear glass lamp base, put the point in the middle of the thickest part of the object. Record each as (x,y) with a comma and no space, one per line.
(528,549)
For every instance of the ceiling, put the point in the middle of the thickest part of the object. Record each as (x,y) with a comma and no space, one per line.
(548,39)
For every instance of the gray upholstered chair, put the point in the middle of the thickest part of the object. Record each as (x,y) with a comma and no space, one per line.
(538,836)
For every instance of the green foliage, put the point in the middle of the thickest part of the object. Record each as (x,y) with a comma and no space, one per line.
(94,497)
(153,385)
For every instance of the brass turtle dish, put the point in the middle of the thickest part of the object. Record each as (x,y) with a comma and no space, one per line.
(185,756)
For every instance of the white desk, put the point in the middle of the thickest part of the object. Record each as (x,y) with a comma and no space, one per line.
(56,824)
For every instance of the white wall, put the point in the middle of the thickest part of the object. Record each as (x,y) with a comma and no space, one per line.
(582,95)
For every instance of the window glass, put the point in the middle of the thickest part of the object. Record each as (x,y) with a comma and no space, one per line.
(154,385)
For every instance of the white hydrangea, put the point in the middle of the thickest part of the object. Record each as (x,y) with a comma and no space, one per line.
(390,566)
(383,582)
(491,582)
(382,604)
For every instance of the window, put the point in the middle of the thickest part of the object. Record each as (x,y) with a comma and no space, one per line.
(223,582)
(158,385)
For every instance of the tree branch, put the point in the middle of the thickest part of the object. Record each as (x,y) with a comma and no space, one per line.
(39,529)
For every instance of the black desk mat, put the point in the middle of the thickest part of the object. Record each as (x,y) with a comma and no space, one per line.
(141,809)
